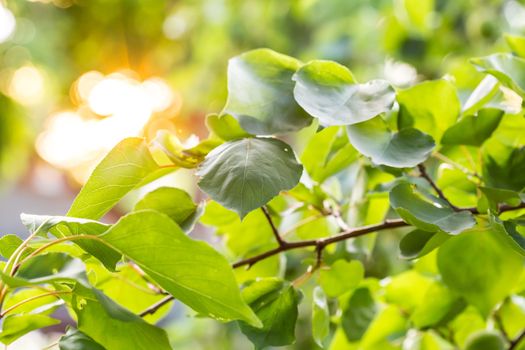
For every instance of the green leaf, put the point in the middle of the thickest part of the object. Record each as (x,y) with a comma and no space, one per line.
(112,326)
(63,226)
(485,340)
(225,127)
(496,196)
(480,267)
(327,153)
(260,93)
(51,267)
(174,202)
(329,92)
(473,130)
(126,165)
(76,340)
(482,95)
(275,303)
(504,167)
(9,244)
(418,107)
(180,155)
(244,175)
(507,232)
(418,243)
(426,215)
(359,314)
(516,43)
(507,68)
(15,326)
(320,317)
(341,277)
(407,290)
(439,301)
(191,271)
(403,149)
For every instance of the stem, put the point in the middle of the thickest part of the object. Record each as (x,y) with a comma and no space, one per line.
(52,243)
(54,293)
(440,193)
(456,165)
(155,307)
(275,231)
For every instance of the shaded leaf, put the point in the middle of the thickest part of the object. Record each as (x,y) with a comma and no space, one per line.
(359,314)
(485,340)
(244,175)
(260,93)
(275,303)
(403,149)
(426,215)
(76,340)
(473,130)
(418,243)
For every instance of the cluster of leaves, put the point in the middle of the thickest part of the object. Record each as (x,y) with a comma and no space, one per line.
(363,171)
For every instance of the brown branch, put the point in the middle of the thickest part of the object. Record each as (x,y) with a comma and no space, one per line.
(275,231)
(516,341)
(346,234)
(155,307)
(424,174)
(350,233)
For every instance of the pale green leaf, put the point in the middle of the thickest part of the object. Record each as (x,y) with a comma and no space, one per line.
(507,68)
(329,92)
(341,277)
(15,326)
(418,107)
(320,316)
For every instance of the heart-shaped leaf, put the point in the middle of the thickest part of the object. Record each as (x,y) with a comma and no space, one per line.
(244,175)
(403,149)
(426,215)
(329,92)
(260,93)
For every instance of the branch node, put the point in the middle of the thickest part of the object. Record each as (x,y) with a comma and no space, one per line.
(424,174)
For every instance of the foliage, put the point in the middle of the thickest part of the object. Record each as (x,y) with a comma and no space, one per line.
(383,166)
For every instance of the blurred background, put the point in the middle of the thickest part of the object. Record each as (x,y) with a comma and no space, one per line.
(77,76)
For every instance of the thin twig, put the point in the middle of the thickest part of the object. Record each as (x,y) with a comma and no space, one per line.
(54,293)
(456,165)
(275,231)
(155,307)
(424,174)
(516,341)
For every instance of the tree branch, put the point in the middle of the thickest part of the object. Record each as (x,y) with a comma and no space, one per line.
(344,235)
(515,342)
(155,307)
(275,231)
(424,174)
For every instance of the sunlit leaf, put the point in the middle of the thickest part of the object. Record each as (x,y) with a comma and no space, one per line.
(341,277)
(320,316)
(473,130)
(507,68)
(15,326)
(329,92)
